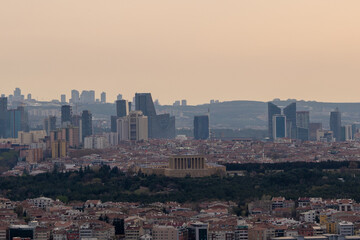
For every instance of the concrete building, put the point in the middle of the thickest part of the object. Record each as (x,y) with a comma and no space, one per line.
(96,142)
(58,149)
(198,231)
(103,97)
(185,165)
(168,233)
(34,155)
(133,127)
(345,228)
(49,124)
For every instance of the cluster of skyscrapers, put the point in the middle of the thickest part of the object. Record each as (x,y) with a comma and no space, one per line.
(12,120)
(292,124)
(86,97)
(133,125)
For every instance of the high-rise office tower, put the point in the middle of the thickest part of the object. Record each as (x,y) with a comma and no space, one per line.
(302,122)
(122,108)
(86,124)
(18,121)
(63,98)
(183,102)
(75,96)
(201,127)
(133,127)
(144,103)
(49,124)
(17,93)
(119,97)
(92,96)
(103,97)
(113,123)
(3,117)
(290,113)
(335,124)
(279,126)
(313,128)
(272,110)
(160,126)
(129,103)
(29,96)
(66,114)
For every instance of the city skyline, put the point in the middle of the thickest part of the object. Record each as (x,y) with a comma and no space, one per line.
(256,50)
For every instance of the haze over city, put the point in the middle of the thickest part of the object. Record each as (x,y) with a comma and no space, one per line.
(202,50)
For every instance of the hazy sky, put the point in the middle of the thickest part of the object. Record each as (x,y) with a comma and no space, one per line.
(183,49)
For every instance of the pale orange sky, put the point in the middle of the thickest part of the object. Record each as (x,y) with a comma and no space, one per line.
(183,49)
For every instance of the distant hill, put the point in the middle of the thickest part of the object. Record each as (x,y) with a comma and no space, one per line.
(253,114)
(233,114)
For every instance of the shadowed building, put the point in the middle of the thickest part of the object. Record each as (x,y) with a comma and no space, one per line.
(302,122)
(335,124)
(122,108)
(272,110)
(279,126)
(66,114)
(86,124)
(290,113)
(49,124)
(161,126)
(3,117)
(201,127)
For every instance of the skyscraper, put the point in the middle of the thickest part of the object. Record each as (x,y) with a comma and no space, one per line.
(18,121)
(50,124)
(290,113)
(144,103)
(119,97)
(335,124)
(63,98)
(133,127)
(75,96)
(201,127)
(3,117)
(272,110)
(303,122)
(113,123)
(103,97)
(66,114)
(122,108)
(161,126)
(279,126)
(86,124)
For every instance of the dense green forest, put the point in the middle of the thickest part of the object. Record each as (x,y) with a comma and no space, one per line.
(8,160)
(112,185)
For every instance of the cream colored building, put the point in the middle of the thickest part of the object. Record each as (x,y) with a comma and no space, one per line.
(133,127)
(165,233)
(186,165)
